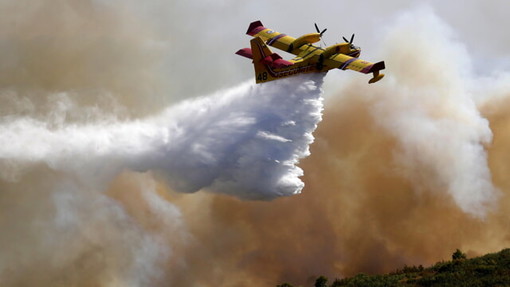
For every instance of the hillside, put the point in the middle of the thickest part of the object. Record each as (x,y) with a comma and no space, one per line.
(488,270)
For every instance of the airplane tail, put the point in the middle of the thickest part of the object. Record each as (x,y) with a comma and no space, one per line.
(260,51)
(264,61)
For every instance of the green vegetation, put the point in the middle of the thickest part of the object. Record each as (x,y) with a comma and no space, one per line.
(489,270)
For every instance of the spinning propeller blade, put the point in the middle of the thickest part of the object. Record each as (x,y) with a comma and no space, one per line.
(319,31)
(352,39)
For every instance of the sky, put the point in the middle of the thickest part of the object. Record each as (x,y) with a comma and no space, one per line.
(136,150)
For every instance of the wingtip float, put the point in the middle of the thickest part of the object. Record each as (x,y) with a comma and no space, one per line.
(309,58)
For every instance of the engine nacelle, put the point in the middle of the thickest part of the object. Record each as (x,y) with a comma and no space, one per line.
(305,39)
(335,49)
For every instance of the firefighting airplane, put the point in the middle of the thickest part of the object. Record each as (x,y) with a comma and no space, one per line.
(270,66)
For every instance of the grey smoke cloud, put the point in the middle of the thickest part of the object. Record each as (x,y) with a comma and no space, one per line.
(400,173)
(433,115)
(245,141)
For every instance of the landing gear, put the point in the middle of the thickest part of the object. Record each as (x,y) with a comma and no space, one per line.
(320,63)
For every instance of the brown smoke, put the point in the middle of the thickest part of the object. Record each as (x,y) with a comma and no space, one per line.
(65,62)
(367,206)
(356,214)
(94,54)
(359,212)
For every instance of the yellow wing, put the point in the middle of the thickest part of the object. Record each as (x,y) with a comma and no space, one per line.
(282,41)
(342,61)
(271,37)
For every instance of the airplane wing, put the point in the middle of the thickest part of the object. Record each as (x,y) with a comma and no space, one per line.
(282,41)
(271,37)
(342,61)
(301,47)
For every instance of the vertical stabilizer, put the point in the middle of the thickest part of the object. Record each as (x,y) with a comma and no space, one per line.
(259,52)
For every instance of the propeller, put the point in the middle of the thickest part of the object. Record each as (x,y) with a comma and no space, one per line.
(352,39)
(319,31)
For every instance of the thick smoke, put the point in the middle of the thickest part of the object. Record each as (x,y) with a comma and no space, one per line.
(432,113)
(58,229)
(245,142)
(401,172)
(74,124)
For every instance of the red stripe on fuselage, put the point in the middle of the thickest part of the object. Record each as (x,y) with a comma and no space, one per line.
(285,73)
(255,31)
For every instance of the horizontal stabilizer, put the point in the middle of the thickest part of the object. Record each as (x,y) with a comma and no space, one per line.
(281,63)
(254,28)
(246,52)
(276,61)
